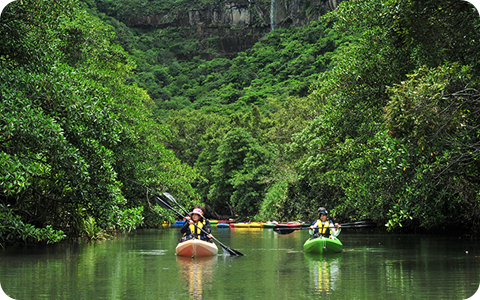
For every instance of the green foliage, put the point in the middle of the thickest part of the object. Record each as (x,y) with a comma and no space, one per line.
(189,130)
(14,231)
(233,158)
(76,141)
(169,65)
(371,111)
(90,229)
(275,199)
(392,133)
(272,75)
(122,9)
(238,170)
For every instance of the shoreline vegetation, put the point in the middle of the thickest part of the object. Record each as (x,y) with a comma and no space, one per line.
(372,111)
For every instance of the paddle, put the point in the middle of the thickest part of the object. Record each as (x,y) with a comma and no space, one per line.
(358,224)
(170,197)
(165,205)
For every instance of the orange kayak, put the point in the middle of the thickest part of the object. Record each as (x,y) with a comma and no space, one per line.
(196,248)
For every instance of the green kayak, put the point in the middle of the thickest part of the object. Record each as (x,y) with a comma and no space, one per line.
(322,245)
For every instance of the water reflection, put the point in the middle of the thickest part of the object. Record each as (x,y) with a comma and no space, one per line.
(197,273)
(324,271)
(251,232)
(143,265)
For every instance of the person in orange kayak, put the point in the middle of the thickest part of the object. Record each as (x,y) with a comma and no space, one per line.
(195,221)
(325,227)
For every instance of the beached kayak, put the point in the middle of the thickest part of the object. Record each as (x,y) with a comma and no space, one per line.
(290,225)
(196,248)
(223,225)
(178,224)
(241,225)
(255,225)
(322,245)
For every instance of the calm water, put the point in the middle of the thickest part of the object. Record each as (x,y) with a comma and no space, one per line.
(143,265)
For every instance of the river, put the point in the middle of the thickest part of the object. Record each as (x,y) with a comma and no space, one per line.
(143,265)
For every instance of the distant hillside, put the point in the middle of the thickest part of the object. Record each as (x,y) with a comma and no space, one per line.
(219,27)
(202,55)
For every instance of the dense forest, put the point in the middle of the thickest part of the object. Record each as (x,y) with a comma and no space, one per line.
(372,111)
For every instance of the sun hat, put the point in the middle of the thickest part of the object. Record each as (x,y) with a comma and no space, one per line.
(197,211)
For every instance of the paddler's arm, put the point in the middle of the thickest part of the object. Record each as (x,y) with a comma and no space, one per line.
(208,228)
(336,230)
(185,225)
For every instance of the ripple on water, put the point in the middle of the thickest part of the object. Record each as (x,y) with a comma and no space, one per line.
(151,252)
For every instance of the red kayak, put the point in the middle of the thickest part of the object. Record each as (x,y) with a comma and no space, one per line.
(196,248)
(289,224)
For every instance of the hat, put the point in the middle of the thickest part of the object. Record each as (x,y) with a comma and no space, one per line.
(322,211)
(197,211)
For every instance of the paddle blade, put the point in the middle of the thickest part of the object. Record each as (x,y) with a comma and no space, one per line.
(171,199)
(162,203)
(360,224)
(231,251)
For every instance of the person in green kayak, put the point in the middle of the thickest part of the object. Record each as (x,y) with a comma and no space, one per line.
(195,221)
(325,227)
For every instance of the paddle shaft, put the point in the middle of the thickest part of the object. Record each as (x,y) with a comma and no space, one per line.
(301,228)
(288,230)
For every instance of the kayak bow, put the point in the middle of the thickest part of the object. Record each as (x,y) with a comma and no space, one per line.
(196,248)
(322,245)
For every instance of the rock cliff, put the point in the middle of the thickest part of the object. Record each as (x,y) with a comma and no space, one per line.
(232,26)
(240,13)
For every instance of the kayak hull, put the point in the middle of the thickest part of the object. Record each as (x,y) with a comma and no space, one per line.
(269,225)
(241,225)
(256,225)
(290,225)
(322,245)
(196,248)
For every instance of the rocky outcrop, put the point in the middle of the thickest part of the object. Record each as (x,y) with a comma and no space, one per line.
(237,24)
(238,14)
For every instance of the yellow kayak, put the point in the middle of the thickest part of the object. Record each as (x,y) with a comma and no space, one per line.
(241,225)
(256,225)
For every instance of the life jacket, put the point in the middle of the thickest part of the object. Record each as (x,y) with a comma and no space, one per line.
(323,228)
(194,232)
